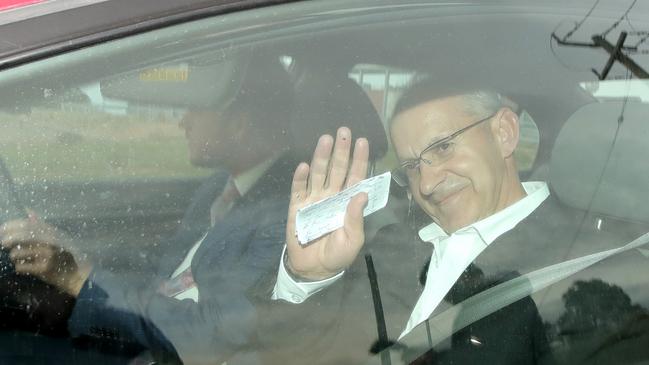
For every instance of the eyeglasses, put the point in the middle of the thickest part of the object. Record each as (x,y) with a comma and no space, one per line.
(435,154)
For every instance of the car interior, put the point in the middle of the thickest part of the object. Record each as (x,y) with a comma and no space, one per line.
(590,148)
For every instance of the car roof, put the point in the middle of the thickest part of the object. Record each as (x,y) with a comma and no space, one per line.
(51,27)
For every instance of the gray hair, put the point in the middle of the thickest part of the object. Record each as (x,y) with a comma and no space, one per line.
(480,101)
(483,103)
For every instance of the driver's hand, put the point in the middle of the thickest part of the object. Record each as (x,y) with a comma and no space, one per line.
(329,173)
(37,248)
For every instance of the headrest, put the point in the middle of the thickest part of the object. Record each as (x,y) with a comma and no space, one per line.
(580,157)
(323,103)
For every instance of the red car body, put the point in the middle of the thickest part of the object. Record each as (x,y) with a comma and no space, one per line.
(11,4)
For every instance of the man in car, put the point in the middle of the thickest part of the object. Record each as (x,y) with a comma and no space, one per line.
(197,305)
(456,148)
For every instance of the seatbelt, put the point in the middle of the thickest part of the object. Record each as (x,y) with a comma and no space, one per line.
(383,341)
(487,302)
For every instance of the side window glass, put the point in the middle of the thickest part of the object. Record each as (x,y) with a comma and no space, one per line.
(83,136)
(528,144)
(167,161)
(112,173)
(383,85)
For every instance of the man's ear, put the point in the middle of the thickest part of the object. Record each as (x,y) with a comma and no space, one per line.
(507,131)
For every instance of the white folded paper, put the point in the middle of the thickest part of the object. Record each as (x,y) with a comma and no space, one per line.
(327,215)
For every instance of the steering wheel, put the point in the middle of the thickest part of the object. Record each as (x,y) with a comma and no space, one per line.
(21,294)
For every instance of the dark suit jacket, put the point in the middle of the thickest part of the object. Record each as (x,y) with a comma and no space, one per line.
(238,251)
(338,324)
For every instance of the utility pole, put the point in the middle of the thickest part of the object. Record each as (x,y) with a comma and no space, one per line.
(615,54)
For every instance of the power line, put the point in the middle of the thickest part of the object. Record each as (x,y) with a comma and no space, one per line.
(619,20)
(616,52)
(578,25)
(553,38)
(642,40)
(628,21)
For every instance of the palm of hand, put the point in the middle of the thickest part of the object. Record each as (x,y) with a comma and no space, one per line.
(330,172)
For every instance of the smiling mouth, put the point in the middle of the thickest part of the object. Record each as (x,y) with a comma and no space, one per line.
(447,197)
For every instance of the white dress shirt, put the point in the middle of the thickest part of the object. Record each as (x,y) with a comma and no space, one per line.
(451,256)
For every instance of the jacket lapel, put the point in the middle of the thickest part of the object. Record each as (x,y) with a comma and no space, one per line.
(236,225)
(194,224)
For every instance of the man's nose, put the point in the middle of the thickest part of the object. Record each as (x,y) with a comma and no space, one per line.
(430,177)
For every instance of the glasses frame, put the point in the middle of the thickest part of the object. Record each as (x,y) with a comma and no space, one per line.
(399,174)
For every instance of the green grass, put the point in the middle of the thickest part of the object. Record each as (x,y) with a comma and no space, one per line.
(99,160)
(48,145)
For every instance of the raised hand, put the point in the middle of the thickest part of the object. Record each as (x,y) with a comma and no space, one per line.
(38,249)
(329,173)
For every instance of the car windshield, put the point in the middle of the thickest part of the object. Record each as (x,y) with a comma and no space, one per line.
(156,189)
